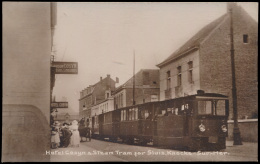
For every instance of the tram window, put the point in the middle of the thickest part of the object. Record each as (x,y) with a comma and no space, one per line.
(125,113)
(182,107)
(122,115)
(220,107)
(204,107)
(130,114)
(142,114)
(136,113)
(163,112)
(176,111)
(146,114)
(133,114)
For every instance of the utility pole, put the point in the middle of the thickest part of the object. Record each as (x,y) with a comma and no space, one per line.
(134,81)
(236,132)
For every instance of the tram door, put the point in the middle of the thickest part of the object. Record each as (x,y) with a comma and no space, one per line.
(93,122)
(187,108)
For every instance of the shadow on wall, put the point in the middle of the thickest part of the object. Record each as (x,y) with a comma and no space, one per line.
(25,134)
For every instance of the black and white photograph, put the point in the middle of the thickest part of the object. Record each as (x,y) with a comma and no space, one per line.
(129,81)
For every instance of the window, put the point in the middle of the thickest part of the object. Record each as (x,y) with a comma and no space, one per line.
(122,115)
(146,114)
(136,113)
(168,79)
(133,114)
(190,78)
(213,107)
(179,76)
(245,38)
(204,107)
(130,114)
(121,101)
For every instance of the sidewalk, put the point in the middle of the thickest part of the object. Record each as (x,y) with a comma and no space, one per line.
(248,149)
(80,154)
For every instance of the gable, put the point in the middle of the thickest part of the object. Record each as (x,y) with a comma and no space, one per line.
(195,41)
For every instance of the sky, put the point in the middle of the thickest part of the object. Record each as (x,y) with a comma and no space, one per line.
(103,36)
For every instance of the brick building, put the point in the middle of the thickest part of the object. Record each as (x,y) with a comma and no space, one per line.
(146,89)
(204,62)
(94,94)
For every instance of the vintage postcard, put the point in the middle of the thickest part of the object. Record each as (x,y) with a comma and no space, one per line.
(130,81)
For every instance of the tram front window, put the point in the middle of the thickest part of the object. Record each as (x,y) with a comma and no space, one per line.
(211,107)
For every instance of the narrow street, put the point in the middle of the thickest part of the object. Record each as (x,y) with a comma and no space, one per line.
(97,150)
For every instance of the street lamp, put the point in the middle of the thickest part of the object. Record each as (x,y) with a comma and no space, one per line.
(236,132)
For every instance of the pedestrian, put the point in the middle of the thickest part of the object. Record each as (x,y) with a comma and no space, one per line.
(55,135)
(75,138)
(66,134)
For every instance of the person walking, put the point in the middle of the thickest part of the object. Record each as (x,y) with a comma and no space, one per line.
(66,134)
(75,138)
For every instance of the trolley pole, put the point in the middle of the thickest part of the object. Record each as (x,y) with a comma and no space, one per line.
(134,81)
(236,131)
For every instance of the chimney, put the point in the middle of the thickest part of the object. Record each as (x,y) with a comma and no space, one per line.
(108,75)
(100,78)
(234,6)
(117,80)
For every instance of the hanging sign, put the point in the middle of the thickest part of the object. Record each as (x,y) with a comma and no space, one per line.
(65,67)
(59,105)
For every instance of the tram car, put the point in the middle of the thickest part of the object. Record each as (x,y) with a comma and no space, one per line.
(195,122)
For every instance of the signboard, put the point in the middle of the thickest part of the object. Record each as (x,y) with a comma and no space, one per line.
(65,67)
(59,105)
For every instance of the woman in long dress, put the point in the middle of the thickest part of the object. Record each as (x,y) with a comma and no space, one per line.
(75,138)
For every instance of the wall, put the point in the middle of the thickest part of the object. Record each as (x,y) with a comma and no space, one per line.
(26,54)
(140,94)
(249,126)
(27,42)
(215,63)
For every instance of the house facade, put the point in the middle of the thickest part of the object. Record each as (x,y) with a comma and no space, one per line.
(204,63)
(94,95)
(146,89)
(104,106)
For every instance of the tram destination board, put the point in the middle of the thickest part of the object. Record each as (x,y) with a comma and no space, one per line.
(59,105)
(65,67)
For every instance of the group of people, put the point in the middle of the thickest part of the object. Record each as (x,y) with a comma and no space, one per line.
(65,135)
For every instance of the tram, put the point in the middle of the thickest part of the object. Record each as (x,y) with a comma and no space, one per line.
(195,122)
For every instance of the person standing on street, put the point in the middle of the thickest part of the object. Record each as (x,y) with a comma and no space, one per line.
(75,138)
(55,135)
(66,134)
